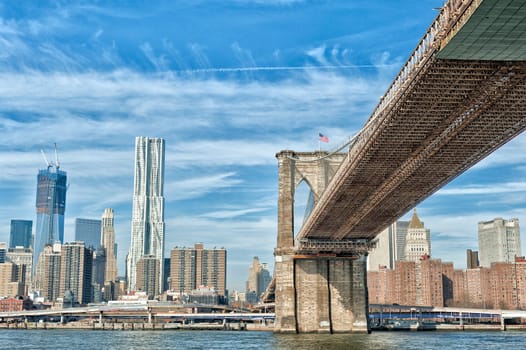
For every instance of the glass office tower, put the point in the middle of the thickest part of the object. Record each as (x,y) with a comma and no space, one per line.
(50,205)
(88,231)
(21,234)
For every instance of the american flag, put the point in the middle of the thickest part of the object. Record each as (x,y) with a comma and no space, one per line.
(323,138)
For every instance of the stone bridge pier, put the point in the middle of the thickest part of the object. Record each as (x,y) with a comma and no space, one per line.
(321,286)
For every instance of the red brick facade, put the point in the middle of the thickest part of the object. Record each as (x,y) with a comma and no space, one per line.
(15,304)
(434,283)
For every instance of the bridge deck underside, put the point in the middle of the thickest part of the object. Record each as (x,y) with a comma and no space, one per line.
(453,114)
(495,31)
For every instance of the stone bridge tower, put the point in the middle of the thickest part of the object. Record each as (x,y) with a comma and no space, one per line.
(314,292)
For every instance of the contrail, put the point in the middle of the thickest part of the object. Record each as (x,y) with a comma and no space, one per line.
(277,68)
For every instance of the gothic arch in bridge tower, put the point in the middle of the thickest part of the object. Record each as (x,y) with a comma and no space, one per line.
(304,200)
(316,169)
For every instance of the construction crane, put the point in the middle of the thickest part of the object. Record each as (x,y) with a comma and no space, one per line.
(51,164)
(57,163)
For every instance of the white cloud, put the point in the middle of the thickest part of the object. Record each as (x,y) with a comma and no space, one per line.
(97,34)
(195,187)
(318,53)
(493,188)
(229,214)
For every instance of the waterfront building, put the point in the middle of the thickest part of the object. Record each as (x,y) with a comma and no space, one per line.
(431,282)
(460,287)
(108,243)
(478,288)
(183,269)
(472,259)
(434,282)
(147,228)
(428,282)
(50,208)
(405,282)
(15,304)
(47,275)
(148,275)
(520,282)
(76,270)
(381,285)
(21,234)
(11,280)
(89,232)
(194,267)
(499,241)
(418,241)
(206,295)
(22,257)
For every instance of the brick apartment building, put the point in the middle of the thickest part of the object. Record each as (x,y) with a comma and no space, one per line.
(431,282)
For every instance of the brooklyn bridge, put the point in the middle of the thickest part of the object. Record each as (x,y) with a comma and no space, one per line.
(460,96)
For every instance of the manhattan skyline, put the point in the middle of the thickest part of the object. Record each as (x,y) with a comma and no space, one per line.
(227,85)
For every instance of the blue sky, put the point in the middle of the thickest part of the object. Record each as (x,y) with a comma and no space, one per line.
(228,84)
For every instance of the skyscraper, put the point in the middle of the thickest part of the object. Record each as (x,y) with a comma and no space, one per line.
(50,207)
(89,232)
(148,275)
(499,241)
(75,271)
(194,267)
(12,279)
(22,256)
(47,275)
(108,243)
(147,229)
(253,271)
(258,278)
(389,247)
(99,267)
(418,241)
(21,234)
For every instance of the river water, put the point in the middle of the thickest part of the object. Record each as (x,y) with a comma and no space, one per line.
(89,339)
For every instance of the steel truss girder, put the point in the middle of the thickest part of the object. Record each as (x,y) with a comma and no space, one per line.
(351,247)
